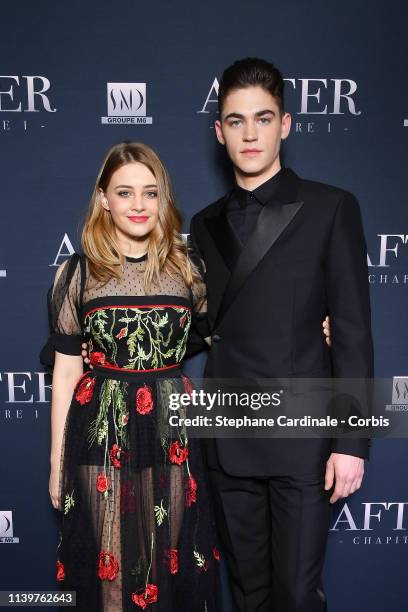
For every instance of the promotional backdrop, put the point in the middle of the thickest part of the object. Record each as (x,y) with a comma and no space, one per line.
(76,78)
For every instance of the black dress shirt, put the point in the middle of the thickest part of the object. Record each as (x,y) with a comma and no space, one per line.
(244,206)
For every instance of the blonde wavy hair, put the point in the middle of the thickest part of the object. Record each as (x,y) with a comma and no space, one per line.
(167,251)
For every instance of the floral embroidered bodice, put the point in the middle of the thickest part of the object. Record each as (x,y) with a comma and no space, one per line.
(137,334)
(124,327)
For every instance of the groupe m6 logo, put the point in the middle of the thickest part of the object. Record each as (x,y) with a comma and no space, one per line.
(399,395)
(126,104)
(6,528)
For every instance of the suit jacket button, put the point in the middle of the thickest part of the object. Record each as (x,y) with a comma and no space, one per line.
(216,338)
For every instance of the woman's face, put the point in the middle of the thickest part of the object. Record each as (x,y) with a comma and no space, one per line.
(132,199)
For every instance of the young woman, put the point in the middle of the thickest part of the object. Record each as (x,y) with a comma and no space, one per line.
(137,530)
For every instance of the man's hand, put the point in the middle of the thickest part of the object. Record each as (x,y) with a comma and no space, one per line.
(326,330)
(84,354)
(346,473)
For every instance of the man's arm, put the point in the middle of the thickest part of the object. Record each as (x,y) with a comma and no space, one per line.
(352,349)
(199,338)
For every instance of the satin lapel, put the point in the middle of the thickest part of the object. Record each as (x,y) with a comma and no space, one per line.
(272,221)
(224,238)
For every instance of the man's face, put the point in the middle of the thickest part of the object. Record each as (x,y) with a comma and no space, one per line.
(251,127)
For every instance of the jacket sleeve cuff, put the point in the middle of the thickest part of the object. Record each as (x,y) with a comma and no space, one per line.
(357,447)
(201,325)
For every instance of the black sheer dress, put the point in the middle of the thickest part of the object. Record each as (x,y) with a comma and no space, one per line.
(137,525)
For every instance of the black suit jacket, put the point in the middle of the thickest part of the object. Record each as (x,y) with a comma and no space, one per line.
(306,258)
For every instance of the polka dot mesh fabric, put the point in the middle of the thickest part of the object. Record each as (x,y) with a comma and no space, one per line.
(137,527)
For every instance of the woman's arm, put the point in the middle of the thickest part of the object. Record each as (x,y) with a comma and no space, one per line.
(67,371)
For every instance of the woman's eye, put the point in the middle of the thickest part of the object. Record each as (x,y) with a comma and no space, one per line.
(124,194)
(151,194)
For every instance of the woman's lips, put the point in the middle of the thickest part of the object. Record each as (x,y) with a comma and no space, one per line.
(139,219)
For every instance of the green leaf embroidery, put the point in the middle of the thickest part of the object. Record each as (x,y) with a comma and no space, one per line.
(132,343)
(160,513)
(200,559)
(102,431)
(112,394)
(69,502)
(148,341)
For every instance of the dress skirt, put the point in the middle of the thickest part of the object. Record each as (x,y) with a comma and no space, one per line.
(137,527)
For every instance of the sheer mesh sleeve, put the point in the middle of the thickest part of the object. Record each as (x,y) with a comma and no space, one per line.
(64,312)
(200,328)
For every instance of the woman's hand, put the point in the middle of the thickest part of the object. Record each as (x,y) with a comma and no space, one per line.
(326,330)
(54,487)
(85,356)
(68,369)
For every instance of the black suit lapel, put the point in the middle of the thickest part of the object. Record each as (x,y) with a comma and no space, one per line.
(272,221)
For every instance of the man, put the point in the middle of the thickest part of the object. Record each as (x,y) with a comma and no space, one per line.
(280,252)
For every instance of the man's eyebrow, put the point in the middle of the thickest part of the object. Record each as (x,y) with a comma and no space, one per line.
(236,115)
(265,111)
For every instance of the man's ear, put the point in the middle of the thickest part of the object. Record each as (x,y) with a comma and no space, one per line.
(218,131)
(286,125)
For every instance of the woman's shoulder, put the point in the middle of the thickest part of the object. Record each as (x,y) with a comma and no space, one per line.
(73,265)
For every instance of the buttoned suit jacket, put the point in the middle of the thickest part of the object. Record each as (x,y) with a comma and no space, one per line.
(266,301)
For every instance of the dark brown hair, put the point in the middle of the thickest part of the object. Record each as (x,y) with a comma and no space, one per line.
(252,71)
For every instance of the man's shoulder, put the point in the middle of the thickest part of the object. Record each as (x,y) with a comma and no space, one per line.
(210,210)
(324,192)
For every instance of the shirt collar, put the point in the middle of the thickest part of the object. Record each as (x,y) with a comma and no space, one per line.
(262,194)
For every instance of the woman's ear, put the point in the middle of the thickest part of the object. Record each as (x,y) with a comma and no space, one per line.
(103,199)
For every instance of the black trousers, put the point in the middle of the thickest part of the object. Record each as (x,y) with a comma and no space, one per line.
(273,533)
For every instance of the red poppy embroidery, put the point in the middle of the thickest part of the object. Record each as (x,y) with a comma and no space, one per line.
(122,333)
(97,358)
(125,418)
(144,400)
(173,560)
(191,493)
(216,553)
(60,571)
(139,600)
(103,483)
(188,387)
(177,453)
(115,455)
(152,593)
(108,567)
(149,595)
(85,390)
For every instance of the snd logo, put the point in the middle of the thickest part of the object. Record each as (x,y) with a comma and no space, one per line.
(126,104)
(6,528)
